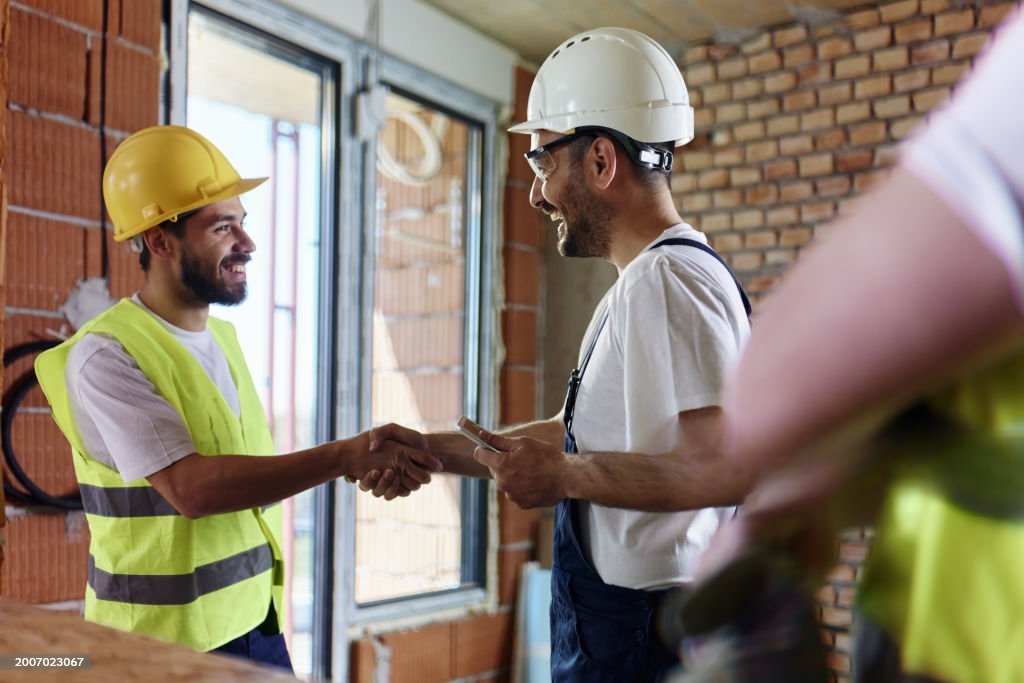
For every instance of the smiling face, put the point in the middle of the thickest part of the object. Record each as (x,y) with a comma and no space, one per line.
(584,219)
(214,252)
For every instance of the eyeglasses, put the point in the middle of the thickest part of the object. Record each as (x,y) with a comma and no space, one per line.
(543,162)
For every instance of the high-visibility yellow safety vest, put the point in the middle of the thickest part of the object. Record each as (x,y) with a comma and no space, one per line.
(943,577)
(198,582)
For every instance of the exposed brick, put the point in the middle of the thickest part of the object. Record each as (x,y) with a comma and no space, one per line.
(870,133)
(968,46)
(682,182)
(522,267)
(852,67)
(815,164)
(913,31)
(935,51)
(778,82)
(897,11)
(935,6)
(719,51)
(854,160)
(699,74)
(696,98)
(840,618)
(727,242)
(926,100)
(765,61)
(746,88)
(728,156)
(780,169)
(891,59)
(44,258)
(762,151)
(903,127)
(762,194)
(794,145)
(749,131)
(814,74)
(830,139)
(481,644)
(891,107)
(758,43)
(853,112)
(820,118)
(703,119)
(519,329)
(726,199)
(762,108)
(991,15)
(732,68)
(85,13)
(697,201)
(911,80)
(140,22)
(761,239)
(870,88)
(747,262)
(788,36)
(954,22)
(716,222)
(739,177)
(716,92)
(800,100)
(857,21)
(835,94)
(728,113)
(133,87)
(797,56)
(863,182)
(518,393)
(47,65)
(697,53)
(713,178)
(790,192)
(523,224)
(782,215)
(53,166)
(782,125)
(795,237)
(948,74)
(816,213)
(833,187)
(696,159)
(834,48)
(873,39)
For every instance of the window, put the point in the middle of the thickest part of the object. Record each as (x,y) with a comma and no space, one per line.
(370,296)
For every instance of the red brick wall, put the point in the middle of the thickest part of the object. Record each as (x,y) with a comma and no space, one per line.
(56,115)
(791,126)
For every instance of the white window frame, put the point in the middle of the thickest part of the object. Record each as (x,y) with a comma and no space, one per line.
(349,259)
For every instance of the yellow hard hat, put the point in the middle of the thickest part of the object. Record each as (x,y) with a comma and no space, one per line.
(161,172)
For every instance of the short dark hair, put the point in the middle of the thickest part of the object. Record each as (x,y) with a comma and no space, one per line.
(648,177)
(175,226)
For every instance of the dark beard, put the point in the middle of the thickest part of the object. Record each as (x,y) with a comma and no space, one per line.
(209,289)
(587,222)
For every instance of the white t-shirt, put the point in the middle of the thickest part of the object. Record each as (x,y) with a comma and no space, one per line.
(675,328)
(972,152)
(124,423)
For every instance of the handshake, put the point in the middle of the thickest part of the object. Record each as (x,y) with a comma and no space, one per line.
(401,459)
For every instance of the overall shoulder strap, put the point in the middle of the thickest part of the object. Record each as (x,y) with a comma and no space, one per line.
(685,241)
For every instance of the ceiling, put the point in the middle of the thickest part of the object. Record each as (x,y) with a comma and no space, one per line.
(533,28)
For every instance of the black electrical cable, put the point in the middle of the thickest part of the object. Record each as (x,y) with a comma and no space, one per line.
(11,400)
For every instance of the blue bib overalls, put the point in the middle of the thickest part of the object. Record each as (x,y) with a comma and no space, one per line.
(599,632)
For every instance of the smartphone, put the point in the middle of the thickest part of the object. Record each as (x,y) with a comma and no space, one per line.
(471,430)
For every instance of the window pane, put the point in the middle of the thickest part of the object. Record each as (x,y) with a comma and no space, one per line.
(413,545)
(262,107)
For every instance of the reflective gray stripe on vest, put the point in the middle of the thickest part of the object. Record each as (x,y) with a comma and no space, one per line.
(133,501)
(179,589)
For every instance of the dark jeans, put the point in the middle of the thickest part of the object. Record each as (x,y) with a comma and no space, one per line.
(263,645)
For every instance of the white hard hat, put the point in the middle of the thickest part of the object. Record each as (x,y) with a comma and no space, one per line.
(614,78)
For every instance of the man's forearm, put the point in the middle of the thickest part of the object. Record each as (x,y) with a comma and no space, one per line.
(456,451)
